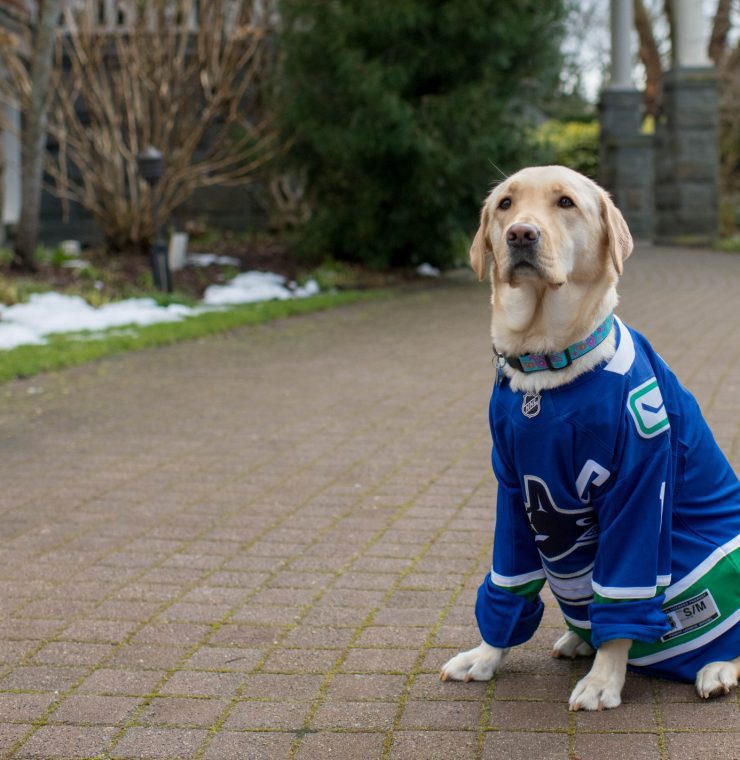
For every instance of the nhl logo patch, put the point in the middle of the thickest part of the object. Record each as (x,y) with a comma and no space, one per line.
(531,405)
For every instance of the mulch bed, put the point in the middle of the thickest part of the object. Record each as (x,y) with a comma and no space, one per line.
(122,273)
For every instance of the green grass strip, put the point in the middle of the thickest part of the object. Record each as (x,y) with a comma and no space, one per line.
(68,349)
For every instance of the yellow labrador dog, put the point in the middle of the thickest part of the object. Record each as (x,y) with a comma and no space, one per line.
(611,487)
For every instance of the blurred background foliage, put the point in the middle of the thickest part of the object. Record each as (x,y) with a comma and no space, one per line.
(571,143)
(388,123)
(399,115)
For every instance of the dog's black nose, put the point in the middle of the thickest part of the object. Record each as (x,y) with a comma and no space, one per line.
(521,234)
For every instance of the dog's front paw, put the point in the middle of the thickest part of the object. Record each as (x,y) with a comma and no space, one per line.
(595,693)
(716,678)
(477,664)
(571,645)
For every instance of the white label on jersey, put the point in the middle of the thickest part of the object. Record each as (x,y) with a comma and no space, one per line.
(691,614)
(646,406)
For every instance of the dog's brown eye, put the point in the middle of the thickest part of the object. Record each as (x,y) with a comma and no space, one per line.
(566,202)
(505,203)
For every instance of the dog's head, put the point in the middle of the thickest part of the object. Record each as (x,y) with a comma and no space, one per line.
(555,245)
(553,225)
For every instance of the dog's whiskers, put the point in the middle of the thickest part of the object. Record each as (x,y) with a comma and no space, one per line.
(503,174)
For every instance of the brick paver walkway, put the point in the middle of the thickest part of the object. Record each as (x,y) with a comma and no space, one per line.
(264,545)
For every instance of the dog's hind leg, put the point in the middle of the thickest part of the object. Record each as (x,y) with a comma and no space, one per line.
(571,645)
(717,678)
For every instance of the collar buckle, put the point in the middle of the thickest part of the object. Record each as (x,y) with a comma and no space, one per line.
(513,361)
(568,357)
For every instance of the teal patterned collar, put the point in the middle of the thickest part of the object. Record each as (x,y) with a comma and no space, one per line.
(561,359)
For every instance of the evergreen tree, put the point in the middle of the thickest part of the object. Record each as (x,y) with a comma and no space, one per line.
(399,109)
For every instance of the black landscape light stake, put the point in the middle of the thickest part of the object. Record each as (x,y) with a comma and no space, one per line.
(151,168)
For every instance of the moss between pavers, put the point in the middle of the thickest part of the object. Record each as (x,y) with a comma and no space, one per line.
(43,719)
(217,624)
(67,350)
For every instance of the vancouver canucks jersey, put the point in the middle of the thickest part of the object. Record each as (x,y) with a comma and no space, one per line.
(612,489)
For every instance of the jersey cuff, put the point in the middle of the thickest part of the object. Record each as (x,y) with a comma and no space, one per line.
(640,620)
(505,619)
(527,585)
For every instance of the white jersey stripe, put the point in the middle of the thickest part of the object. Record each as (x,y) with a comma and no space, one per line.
(571,589)
(624,592)
(509,581)
(576,574)
(625,353)
(577,623)
(702,568)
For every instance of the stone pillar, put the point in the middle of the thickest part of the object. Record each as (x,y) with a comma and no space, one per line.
(625,155)
(686,138)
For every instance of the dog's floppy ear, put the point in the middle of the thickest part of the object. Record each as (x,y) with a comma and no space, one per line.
(619,239)
(481,247)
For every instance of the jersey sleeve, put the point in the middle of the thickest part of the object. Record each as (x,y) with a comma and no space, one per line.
(508,608)
(633,560)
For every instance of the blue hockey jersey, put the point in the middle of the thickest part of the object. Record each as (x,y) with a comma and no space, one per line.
(612,489)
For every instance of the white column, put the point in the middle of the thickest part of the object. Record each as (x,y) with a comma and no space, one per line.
(11,211)
(110,15)
(691,34)
(621,33)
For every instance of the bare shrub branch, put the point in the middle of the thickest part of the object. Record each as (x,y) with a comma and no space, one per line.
(184,76)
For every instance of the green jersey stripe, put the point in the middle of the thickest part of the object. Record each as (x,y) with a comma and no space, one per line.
(528,590)
(711,607)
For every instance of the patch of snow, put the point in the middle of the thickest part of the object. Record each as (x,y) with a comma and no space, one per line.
(311,288)
(206,259)
(250,287)
(17,335)
(427,270)
(48,313)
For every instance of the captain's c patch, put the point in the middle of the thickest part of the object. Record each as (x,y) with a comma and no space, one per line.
(647,408)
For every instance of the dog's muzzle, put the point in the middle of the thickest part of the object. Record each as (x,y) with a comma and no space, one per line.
(522,241)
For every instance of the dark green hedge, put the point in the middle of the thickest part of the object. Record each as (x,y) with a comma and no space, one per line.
(398,111)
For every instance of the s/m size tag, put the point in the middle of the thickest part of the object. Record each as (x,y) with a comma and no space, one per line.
(690,614)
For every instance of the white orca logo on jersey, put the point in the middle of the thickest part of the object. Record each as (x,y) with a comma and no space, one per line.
(558,532)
